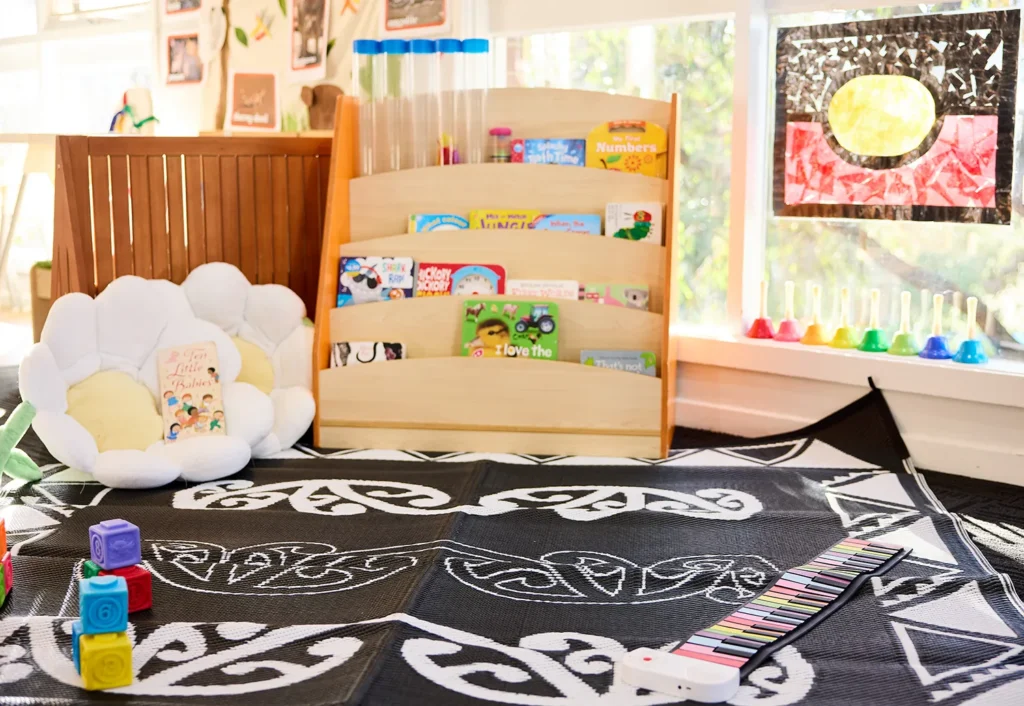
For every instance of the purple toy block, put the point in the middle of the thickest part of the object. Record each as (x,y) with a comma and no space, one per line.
(115,544)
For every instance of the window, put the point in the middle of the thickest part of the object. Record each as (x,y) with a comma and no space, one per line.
(986,261)
(694,59)
(62,8)
(19,18)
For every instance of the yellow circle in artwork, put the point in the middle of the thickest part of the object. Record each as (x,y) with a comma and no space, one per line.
(881,116)
(118,411)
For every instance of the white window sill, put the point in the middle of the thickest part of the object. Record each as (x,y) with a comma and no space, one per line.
(998,382)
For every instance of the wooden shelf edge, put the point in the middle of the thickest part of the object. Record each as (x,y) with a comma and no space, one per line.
(550,172)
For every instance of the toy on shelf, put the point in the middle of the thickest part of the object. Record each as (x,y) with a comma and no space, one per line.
(15,462)
(136,114)
(875,339)
(815,335)
(971,350)
(789,327)
(936,347)
(904,342)
(762,326)
(501,145)
(846,336)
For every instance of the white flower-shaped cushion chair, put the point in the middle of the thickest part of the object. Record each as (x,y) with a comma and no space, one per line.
(268,324)
(93,381)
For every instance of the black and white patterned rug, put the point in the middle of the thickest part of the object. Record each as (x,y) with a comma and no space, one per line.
(370,577)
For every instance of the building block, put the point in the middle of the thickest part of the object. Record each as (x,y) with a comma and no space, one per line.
(76,641)
(115,544)
(91,569)
(140,586)
(8,565)
(3,592)
(103,604)
(3,536)
(106,661)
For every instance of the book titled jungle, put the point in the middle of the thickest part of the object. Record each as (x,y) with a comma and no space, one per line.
(190,397)
(510,329)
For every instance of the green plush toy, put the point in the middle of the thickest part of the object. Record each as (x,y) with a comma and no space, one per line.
(15,462)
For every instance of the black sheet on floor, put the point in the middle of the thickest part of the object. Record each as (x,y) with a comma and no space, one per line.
(406,578)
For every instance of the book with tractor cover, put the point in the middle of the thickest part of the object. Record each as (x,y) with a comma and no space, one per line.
(510,329)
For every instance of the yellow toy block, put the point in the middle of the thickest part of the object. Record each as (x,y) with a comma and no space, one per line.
(106,660)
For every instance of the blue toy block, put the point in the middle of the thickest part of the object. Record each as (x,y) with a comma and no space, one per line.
(76,637)
(115,544)
(103,605)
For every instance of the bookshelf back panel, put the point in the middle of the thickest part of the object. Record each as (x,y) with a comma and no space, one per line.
(532,254)
(381,204)
(492,395)
(431,327)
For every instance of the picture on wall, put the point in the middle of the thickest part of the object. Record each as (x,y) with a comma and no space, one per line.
(173,7)
(899,119)
(253,102)
(183,62)
(416,16)
(308,22)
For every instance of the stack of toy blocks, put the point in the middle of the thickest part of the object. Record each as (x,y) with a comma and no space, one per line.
(100,646)
(116,550)
(6,566)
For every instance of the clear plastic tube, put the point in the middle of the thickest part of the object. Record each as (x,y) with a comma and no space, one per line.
(476,70)
(366,53)
(392,140)
(450,61)
(424,120)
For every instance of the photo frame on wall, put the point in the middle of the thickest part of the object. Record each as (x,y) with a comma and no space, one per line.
(899,119)
(184,64)
(410,18)
(253,102)
(308,55)
(176,7)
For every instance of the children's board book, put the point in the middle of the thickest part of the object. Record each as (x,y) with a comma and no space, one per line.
(190,398)
(521,219)
(633,146)
(510,329)
(423,222)
(440,279)
(634,296)
(634,221)
(544,288)
(535,220)
(643,362)
(551,151)
(359,352)
(373,279)
(569,223)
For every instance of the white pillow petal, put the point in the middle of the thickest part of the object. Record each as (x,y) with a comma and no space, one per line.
(134,469)
(248,413)
(173,297)
(293,359)
(217,292)
(205,458)
(130,315)
(66,440)
(272,311)
(40,381)
(70,332)
(294,408)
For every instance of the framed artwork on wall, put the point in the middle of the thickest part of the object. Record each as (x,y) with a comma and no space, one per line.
(253,102)
(899,119)
(184,64)
(416,17)
(308,24)
(174,7)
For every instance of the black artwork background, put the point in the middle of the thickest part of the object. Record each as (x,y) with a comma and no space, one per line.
(883,47)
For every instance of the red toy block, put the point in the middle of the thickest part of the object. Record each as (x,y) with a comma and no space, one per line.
(140,586)
(3,536)
(8,572)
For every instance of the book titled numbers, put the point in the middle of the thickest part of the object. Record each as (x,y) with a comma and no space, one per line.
(190,396)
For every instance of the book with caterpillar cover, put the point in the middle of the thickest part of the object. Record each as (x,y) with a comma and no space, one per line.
(190,395)
(510,329)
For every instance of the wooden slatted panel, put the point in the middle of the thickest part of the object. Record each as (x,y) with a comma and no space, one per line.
(297,233)
(213,204)
(264,246)
(158,219)
(247,217)
(124,263)
(194,211)
(311,196)
(81,252)
(176,219)
(212,146)
(142,237)
(101,222)
(229,208)
(279,181)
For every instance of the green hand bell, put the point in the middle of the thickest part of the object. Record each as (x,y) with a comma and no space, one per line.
(15,462)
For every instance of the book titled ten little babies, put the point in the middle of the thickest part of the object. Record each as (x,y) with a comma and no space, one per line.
(190,396)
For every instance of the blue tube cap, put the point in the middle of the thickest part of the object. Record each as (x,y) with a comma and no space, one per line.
(423,46)
(449,46)
(366,46)
(476,46)
(395,46)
